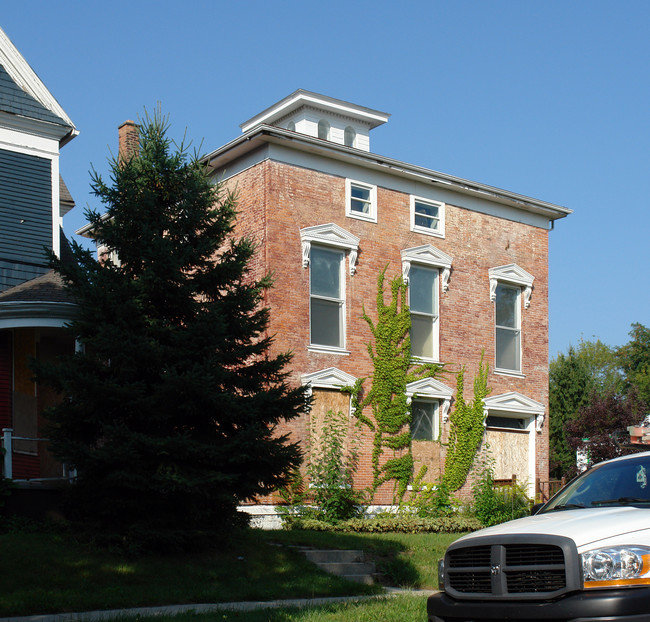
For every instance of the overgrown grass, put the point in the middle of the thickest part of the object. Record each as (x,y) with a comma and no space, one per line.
(48,571)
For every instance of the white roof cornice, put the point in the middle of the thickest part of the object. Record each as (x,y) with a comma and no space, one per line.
(300,98)
(259,135)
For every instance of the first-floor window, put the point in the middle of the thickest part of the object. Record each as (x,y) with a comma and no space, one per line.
(326,296)
(423,303)
(424,420)
(508,327)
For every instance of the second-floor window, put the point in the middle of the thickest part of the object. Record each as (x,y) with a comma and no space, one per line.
(326,289)
(508,327)
(423,303)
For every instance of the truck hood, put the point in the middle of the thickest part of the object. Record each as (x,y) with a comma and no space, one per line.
(584,526)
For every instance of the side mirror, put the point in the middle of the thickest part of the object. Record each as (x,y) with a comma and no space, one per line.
(536,508)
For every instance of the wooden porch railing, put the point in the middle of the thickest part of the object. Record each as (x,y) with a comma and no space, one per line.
(6,444)
(544,490)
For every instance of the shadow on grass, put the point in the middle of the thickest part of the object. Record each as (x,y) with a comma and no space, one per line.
(389,552)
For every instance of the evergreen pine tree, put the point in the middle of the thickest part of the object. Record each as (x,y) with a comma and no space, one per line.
(171,408)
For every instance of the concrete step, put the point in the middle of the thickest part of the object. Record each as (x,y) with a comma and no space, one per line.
(345,568)
(331,556)
(348,564)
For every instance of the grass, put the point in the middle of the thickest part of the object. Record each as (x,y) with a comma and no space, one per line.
(49,572)
(397,609)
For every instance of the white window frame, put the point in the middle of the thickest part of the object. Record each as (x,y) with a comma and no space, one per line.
(516,329)
(434,317)
(371,216)
(430,389)
(513,276)
(435,428)
(339,300)
(440,230)
(429,257)
(333,237)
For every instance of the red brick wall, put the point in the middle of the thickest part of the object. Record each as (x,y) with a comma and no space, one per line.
(276,200)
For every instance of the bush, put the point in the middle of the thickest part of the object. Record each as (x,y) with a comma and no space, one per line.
(390,524)
(493,505)
(429,500)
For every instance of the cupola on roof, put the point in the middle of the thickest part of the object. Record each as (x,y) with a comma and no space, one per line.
(322,117)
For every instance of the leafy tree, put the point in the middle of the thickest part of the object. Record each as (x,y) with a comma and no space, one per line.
(172,406)
(571,383)
(634,359)
(600,428)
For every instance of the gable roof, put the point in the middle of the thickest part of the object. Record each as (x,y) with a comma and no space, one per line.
(23,94)
(16,101)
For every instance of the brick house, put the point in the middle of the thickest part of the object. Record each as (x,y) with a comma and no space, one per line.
(329,215)
(33,306)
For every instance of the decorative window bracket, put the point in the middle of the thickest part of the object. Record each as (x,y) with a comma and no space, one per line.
(514,275)
(330,235)
(427,255)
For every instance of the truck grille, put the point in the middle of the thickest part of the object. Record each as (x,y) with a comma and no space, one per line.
(509,567)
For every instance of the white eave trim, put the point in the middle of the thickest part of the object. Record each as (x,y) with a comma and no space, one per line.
(261,134)
(25,77)
(300,98)
(21,314)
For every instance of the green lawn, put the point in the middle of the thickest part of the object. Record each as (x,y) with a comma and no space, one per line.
(48,572)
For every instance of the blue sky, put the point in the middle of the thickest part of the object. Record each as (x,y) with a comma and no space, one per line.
(548,99)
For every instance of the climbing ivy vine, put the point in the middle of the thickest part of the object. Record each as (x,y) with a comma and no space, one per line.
(466,429)
(393,369)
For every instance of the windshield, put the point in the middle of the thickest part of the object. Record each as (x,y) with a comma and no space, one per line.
(624,482)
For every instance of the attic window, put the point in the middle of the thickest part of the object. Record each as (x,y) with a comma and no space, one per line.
(323,130)
(291,126)
(349,136)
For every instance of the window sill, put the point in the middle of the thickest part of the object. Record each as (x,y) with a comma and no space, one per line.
(509,372)
(328,350)
(362,216)
(431,232)
(426,359)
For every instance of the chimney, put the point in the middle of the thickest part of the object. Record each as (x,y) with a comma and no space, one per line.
(129,140)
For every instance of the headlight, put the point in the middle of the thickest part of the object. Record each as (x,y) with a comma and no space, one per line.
(617,566)
(441,575)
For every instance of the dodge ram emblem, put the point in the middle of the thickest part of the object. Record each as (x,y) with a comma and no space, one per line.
(495,570)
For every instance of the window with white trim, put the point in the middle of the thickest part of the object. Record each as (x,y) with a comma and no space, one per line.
(507,285)
(326,296)
(424,420)
(508,327)
(360,200)
(427,216)
(423,304)
(324,249)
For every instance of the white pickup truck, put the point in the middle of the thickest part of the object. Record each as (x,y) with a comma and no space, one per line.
(584,556)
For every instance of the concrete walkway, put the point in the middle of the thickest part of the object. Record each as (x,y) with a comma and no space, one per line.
(112,614)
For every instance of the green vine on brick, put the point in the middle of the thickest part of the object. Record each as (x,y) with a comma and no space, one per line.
(466,429)
(393,369)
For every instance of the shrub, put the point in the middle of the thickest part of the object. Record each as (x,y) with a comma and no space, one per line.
(493,505)
(391,524)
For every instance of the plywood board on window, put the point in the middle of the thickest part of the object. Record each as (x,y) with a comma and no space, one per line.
(510,452)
